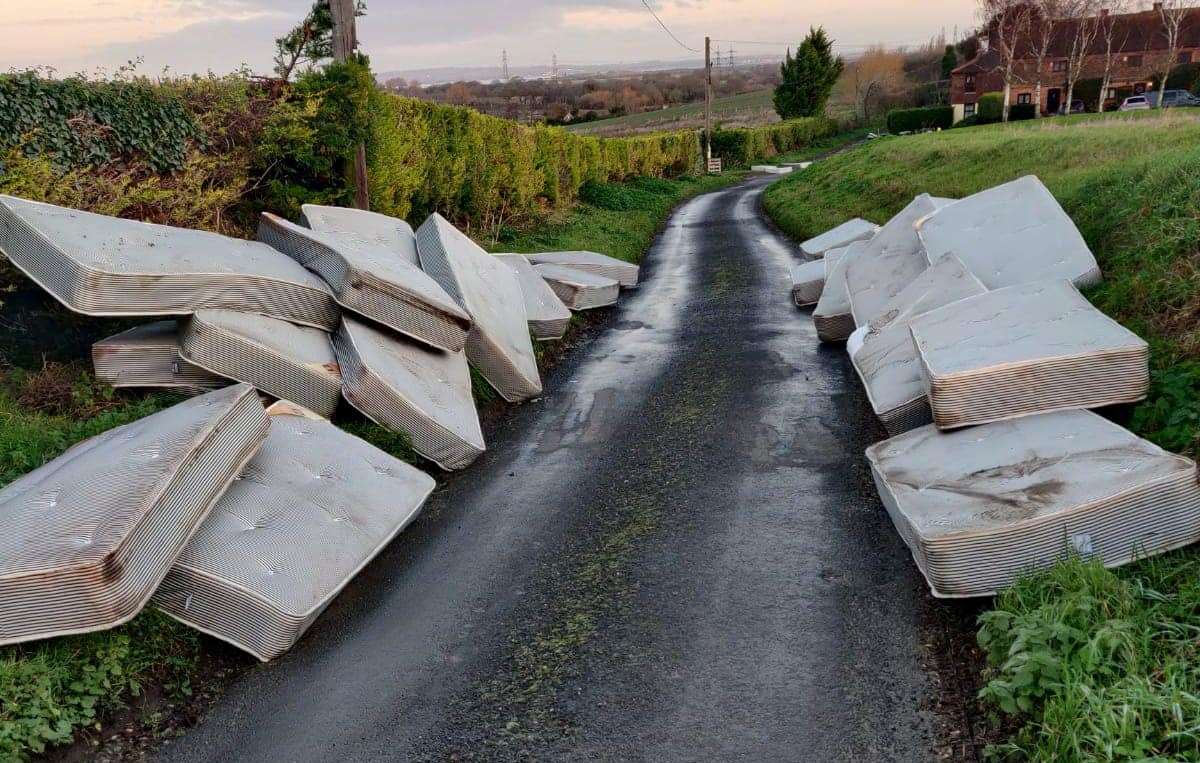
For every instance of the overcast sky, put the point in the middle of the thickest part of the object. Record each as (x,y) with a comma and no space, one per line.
(220,35)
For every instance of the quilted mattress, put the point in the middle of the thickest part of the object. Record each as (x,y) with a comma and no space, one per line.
(808,281)
(624,273)
(392,233)
(887,360)
(372,281)
(1012,234)
(285,361)
(148,356)
(839,238)
(832,316)
(1024,350)
(578,289)
(85,539)
(410,388)
(106,266)
(890,261)
(979,507)
(547,315)
(499,344)
(307,514)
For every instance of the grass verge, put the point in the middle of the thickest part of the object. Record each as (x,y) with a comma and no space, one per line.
(1096,664)
(56,691)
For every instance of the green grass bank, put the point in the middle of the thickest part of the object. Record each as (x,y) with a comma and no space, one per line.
(1095,665)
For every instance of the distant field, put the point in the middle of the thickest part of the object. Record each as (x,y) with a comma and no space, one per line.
(747,109)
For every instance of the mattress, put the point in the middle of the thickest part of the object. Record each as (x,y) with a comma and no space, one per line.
(371,280)
(980,507)
(832,316)
(547,315)
(499,344)
(808,281)
(578,289)
(85,539)
(105,266)
(148,356)
(392,233)
(307,514)
(624,273)
(285,361)
(409,388)
(890,261)
(839,238)
(1012,234)
(1023,350)
(887,361)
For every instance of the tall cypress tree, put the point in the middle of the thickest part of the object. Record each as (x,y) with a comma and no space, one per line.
(808,77)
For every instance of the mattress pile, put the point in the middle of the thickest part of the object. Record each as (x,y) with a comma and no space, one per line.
(499,344)
(285,361)
(308,513)
(391,233)
(1023,350)
(374,282)
(104,266)
(808,281)
(839,238)
(407,387)
(86,539)
(887,362)
(624,273)
(148,356)
(979,507)
(832,316)
(578,289)
(547,315)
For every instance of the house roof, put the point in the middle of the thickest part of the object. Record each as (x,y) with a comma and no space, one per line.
(986,61)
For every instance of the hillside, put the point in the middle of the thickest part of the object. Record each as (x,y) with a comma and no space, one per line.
(744,110)
(1094,664)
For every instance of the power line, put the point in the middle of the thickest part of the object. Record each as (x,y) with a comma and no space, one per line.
(678,41)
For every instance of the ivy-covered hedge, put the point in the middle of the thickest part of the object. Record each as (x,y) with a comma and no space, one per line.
(928,118)
(80,122)
(744,146)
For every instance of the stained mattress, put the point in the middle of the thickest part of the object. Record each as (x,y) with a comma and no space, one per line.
(307,514)
(547,315)
(104,266)
(1024,350)
(407,387)
(578,289)
(832,316)
(371,280)
(85,539)
(624,273)
(887,359)
(808,281)
(839,238)
(285,361)
(1012,234)
(499,344)
(148,356)
(979,507)
(392,233)
(890,261)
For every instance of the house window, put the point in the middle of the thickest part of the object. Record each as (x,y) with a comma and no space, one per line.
(1024,98)
(970,85)
(1185,57)
(1059,66)
(1139,88)
(1112,94)
(1131,60)
(969,110)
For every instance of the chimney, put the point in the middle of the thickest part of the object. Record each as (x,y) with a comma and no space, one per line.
(1158,6)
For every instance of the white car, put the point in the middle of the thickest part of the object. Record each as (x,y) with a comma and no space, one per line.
(1135,103)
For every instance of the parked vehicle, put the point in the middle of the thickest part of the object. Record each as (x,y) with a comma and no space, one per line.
(1135,103)
(1173,99)
(1077,107)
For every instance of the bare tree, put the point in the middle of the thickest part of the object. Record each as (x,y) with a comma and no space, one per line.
(1007,25)
(1042,26)
(1113,36)
(1174,15)
(1085,25)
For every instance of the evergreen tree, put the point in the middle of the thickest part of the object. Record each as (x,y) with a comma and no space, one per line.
(808,77)
(949,61)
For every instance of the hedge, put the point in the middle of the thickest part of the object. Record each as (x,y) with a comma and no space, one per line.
(1019,112)
(990,108)
(912,120)
(743,146)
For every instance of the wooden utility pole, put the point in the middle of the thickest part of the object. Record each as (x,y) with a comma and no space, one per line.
(708,92)
(345,40)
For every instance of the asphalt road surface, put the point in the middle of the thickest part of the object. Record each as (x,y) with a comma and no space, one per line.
(675,555)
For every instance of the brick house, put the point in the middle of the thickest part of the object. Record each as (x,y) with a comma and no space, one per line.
(1142,52)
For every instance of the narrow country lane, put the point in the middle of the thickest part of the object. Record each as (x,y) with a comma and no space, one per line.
(675,555)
